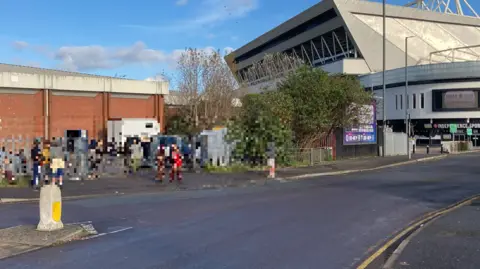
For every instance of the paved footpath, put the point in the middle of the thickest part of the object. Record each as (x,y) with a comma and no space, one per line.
(449,242)
(143,181)
(332,223)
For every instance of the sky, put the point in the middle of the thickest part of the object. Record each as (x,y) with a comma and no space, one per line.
(136,39)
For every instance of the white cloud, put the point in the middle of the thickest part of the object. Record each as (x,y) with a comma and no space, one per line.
(83,58)
(210,13)
(20,45)
(158,77)
(94,57)
(181,2)
(228,50)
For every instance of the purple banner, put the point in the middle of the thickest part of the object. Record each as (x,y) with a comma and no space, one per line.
(366,131)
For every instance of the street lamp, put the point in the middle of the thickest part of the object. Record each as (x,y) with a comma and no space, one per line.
(383,79)
(407,120)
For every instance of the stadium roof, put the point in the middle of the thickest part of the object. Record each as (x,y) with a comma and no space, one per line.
(437,37)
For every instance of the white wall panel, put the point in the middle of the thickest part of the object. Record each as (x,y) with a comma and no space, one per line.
(430,37)
(426,112)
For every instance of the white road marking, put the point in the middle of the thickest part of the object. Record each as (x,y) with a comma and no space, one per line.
(112,232)
(120,230)
(80,222)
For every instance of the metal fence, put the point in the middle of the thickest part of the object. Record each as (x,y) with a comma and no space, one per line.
(310,156)
(17,151)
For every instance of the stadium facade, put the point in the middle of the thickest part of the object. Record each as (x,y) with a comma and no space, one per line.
(346,36)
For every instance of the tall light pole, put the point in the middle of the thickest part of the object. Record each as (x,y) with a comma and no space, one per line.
(407,120)
(384,86)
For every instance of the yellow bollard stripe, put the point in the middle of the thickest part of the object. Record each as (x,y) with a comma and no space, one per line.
(57,211)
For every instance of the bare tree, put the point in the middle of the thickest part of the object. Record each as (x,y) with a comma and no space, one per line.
(190,83)
(206,86)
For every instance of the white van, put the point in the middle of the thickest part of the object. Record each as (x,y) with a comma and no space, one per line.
(121,129)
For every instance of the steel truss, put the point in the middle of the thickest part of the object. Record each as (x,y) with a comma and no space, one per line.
(327,48)
(456,7)
(460,54)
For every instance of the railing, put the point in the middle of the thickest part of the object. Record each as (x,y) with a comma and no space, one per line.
(15,155)
(310,156)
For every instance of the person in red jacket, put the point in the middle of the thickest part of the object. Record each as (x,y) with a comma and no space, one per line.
(176,164)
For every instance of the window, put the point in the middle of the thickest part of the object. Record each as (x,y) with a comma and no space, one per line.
(401,102)
(407,99)
(396,102)
(149,125)
(422,101)
(414,101)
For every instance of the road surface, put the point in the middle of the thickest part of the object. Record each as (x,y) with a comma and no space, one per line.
(329,222)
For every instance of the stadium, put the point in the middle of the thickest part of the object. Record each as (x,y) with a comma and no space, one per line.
(438,41)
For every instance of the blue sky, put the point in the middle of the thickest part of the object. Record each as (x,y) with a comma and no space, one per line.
(134,38)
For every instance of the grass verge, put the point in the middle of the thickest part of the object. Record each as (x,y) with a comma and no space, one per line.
(236,168)
(20,182)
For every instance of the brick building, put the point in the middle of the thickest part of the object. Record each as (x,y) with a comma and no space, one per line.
(37,102)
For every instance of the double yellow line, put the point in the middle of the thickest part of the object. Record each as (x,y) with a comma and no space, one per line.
(413,226)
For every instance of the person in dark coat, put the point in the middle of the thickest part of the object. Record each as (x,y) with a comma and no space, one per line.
(160,163)
(36,156)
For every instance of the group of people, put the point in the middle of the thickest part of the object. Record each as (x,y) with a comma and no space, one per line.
(48,161)
(8,166)
(176,160)
(95,158)
(48,164)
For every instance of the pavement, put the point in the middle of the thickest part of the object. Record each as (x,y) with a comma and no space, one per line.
(25,238)
(142,182)
(333,223)
(352,165)
(451,241)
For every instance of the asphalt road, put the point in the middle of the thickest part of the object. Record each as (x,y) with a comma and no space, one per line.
(329,222)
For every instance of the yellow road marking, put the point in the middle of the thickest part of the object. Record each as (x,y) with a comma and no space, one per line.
(427,217)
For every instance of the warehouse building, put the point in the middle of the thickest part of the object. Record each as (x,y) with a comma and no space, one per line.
(37,102)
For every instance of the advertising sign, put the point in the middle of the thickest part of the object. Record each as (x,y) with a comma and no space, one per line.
(458,125)
(453,128)
(460,99)
(455,100)
(366,131)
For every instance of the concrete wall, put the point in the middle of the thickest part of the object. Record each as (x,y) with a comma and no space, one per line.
(347,66)
(77,83)
(396,144)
